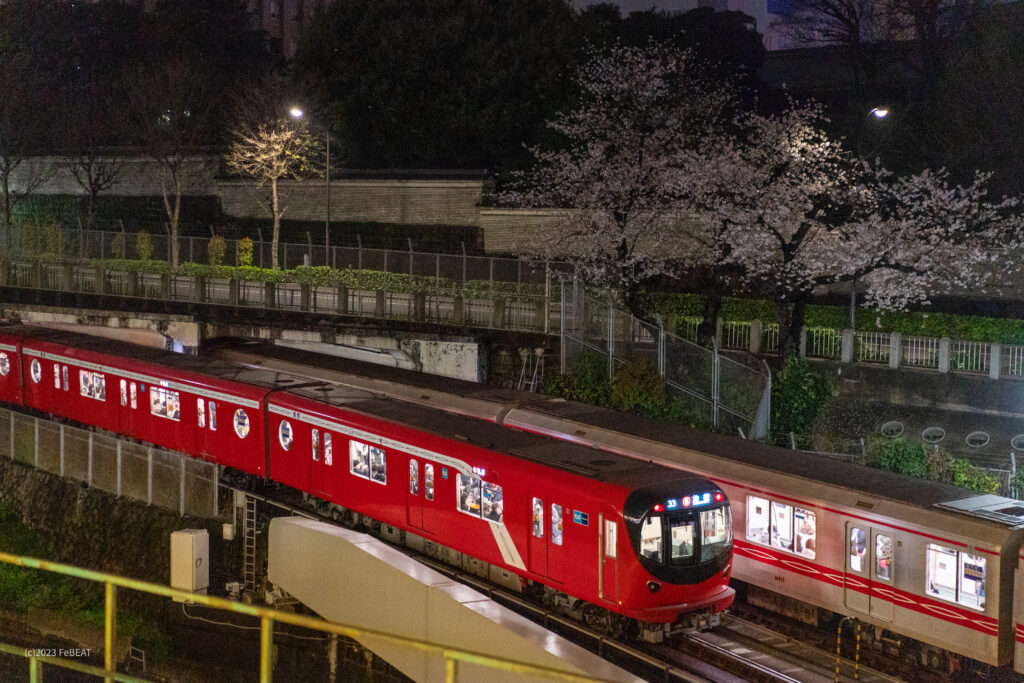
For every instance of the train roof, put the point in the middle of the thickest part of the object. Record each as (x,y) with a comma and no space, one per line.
(588,462)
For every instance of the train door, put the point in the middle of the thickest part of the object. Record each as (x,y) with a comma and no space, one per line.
(869,570)
(857,582)
(414,499)
(558,557)
(609,570)
(538,542)
(883,556)
(316,462)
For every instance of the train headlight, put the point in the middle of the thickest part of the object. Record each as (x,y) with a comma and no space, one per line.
(653,586)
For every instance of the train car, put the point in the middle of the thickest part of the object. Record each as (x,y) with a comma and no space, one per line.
(814,537)
(10,368)
(203,408)
(631,538)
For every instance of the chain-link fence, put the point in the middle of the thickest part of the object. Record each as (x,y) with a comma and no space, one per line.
(153,475)
(731,394)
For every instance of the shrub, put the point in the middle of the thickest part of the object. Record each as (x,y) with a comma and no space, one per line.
(244,247)
(960,472)
(637,387)
(54,241)
(215,249)
(117,246)
(144,245)
(905,457)
(798,397)
(587,381)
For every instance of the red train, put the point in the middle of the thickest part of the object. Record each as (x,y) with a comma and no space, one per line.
(615,539)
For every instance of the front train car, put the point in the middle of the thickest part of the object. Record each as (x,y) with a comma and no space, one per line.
(680,534)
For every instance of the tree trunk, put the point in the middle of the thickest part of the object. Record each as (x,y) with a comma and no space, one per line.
(791,323)
(175,219)
(277,223)
(714,284)
(5,179)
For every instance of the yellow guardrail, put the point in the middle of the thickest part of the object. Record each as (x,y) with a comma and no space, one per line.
(452,657)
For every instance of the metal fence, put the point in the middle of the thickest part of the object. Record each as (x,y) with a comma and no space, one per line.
(729,393)
(145,473)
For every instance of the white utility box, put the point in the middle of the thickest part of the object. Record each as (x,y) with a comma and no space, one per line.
(190,560)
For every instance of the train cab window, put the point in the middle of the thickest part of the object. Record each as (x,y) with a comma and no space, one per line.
(92,385)
(716,531)
(883,557)
(858,547)
(650,538)
(414,477)
(64,378)
(316,445)
(956,576)
(428,481)
(201,410)
(492,502)
(681,533)
(757,520)
(328,448)
(135,396)
(469,494)
(56,377)
(164,402)
(782,526)
(213,416)
(284,435)
(124,393)
(610,538)
(556,524)
(36,370)
(538,518)
(5,364)
(242,424)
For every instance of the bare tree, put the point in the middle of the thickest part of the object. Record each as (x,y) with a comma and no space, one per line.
(87,156)
(268,144)
(172,106)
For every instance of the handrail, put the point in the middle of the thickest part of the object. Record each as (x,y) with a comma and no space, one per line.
(267,617)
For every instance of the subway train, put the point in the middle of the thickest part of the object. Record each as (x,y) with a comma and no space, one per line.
(935,572)
(629,546)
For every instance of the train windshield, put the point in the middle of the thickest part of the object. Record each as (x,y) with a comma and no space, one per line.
(717,528)
(686,537)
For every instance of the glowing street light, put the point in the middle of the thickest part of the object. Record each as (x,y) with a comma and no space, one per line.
(297,113)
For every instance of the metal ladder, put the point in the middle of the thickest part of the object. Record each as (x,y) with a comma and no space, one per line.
(249,540)
(532,370)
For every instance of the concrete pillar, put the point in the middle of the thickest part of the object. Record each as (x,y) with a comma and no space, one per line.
(848,346)
(756,335)
(497,312)
(269,295)
(380,301)
(132,283)
(541,315)
(234,288)
(5,273)
(37,275)
(995,361)
(803,342)
(101,279)
(895,349)
(165,286)
(67,282)
(305,296)
(458,309)
(944,355)
(342,299)
(718,331)
(199,288)
(419,306)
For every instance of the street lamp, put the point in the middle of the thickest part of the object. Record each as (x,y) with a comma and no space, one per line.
(298,114)
(879,113)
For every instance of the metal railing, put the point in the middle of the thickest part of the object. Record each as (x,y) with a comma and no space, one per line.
(824,342)
(919,352)
(267,617)
(873,347)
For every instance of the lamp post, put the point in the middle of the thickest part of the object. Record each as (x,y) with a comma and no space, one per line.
(298,114)
(879,113)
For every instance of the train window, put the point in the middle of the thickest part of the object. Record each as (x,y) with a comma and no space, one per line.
(316,445)
(56,377)
(201,410)
(165,403)
(757,519)
(428,481)
(92,384)
(469,494)
(414,477)
(284,435)
(135,397)
(883,557)
(806,530)
(328,448)
(242,424)
(5,364)
(782,526)
(956,576)
(124,392)
(610,538)
(681,533)
(492,503)
(717,533)
(64,378)
(858,546)
(378,465)
(556,524)
(538,518)
(359,459)
(650,538)
(213,416)
(36,370)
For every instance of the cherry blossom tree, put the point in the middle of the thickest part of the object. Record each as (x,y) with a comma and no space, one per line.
(619,170)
